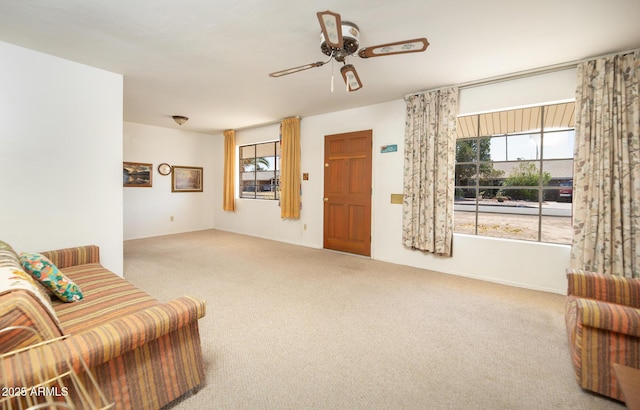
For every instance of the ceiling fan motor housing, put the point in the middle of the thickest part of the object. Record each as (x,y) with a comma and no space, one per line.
(350,40)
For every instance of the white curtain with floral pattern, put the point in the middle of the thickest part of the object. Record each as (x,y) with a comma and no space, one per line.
(429,170)
(606,179)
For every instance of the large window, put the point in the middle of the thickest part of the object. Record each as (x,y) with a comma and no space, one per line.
(516,184)
(260,171)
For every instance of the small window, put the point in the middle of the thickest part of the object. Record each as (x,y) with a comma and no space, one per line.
(260,171)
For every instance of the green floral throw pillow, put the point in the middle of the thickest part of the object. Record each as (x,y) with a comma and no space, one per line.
(42,269)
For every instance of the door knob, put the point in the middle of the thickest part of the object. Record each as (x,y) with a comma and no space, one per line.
(326,200)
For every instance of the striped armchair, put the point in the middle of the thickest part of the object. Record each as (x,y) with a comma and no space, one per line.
(602,315)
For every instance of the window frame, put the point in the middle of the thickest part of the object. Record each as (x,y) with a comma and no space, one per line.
(542,189)
(274,182)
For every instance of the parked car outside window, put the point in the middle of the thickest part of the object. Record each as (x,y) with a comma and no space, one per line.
(566,191)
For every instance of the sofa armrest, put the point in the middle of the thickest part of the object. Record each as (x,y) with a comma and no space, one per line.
(608,316)
(24,321)
(79,255)
(607,288)
(105,342)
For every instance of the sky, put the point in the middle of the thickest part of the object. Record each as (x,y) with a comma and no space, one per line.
(527,146)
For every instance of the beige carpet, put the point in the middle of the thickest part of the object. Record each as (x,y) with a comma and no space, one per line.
(290,327)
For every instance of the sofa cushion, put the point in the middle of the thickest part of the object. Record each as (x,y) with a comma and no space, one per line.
(43,270)
(107,296)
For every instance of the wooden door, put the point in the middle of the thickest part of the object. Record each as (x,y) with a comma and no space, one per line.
(347,192)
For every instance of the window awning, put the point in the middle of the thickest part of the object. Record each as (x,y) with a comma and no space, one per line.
(517,120)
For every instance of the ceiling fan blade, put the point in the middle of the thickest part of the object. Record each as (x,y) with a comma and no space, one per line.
(399,47)
(331,25)
(296,69)
(351,78)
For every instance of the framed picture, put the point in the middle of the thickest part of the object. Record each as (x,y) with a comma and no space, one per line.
(186,179)
(136,174)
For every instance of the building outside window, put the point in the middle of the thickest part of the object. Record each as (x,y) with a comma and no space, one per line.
(514,174)
(260,171)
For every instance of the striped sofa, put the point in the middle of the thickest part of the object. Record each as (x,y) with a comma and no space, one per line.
(602,315)
(142,353)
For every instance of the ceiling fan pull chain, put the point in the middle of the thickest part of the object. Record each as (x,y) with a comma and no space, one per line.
(331,72)
(346,83)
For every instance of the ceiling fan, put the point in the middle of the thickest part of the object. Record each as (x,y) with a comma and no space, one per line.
(340,40)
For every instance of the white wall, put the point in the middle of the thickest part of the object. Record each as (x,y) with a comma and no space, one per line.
(531,90)
(60,155)
(525,264)
(148,211)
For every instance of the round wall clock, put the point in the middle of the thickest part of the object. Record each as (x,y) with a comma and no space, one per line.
(164,169)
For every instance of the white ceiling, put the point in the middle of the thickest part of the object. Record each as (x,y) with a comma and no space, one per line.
(209,59)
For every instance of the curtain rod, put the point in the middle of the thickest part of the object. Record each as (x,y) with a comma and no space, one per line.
(264,124)
(525,73)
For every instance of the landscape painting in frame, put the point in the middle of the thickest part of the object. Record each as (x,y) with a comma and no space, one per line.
(136,174)
(186,179)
